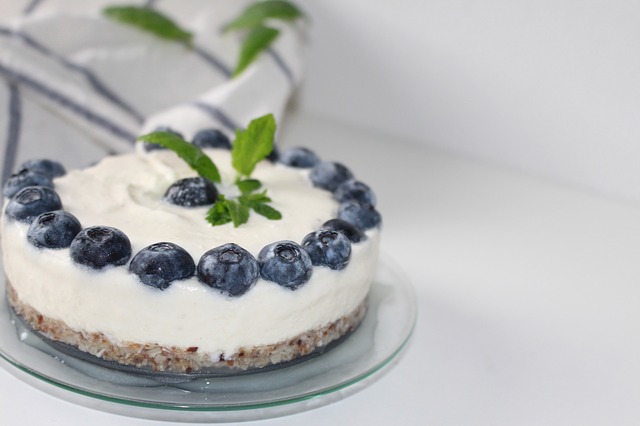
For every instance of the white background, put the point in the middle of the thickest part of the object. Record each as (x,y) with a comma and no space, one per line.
(547,86)
(523,250)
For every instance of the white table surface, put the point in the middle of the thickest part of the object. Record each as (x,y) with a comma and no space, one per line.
(528,294)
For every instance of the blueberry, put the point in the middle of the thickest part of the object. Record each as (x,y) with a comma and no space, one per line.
(31,202)
(328,248)
(100,246)
(54,230)
(355,190)
(24,178)
(285,263)
(228,268)
(154,146)
(299,157)
(192,192)
(211,138)
(274,155)
(354,234)
(49,168)
(328,175)
(362,215)
(159,264)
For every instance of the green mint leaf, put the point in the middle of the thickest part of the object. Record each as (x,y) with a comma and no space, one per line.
(258,202)
(251,199)
(267,211)
(219,213)
(259,36)
(253,144)
(191,154)
(149,20)
(256,13)
(239,213)
(248,185)
(256,40)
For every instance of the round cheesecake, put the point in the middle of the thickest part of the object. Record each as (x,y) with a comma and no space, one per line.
(188,324)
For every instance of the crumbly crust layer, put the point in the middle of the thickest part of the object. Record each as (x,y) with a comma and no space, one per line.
(180,359)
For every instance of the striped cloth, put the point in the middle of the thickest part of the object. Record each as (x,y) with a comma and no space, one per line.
(76,86)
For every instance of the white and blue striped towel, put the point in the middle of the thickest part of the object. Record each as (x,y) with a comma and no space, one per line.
(76,85)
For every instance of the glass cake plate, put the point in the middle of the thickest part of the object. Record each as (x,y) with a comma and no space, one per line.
(339,372)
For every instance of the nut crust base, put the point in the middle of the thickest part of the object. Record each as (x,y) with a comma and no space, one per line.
(179,359)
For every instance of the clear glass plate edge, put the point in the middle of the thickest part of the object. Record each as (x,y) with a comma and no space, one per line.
(302,402)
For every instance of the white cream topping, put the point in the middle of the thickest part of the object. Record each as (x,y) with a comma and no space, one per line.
(126,192)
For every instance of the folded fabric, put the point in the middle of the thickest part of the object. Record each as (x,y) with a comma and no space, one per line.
(76,84)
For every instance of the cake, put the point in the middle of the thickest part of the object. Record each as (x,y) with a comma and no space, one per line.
(112,261)
(143,260)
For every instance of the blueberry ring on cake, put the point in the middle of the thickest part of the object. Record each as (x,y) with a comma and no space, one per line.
(118,261)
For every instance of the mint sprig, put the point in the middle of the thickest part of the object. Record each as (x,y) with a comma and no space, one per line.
(259,36)
(219,213)
(255,14)
(251,146)
(257,39)
(258,203)
(239,212)
(149,20)
(191,154)
(247,186)
(227,210)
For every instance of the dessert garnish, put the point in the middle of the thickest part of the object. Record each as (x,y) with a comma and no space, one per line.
(149,20)
(55,229)
(229,269)
(258,35)
(32,201)
(159,264)
(251,145)
(190,153)
(100,246)
(286,263)
(328,248)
